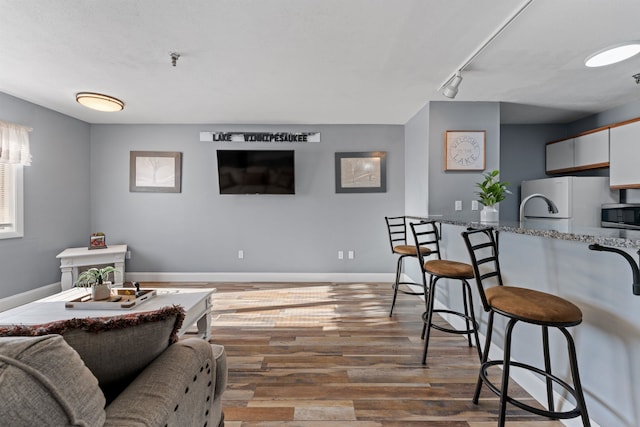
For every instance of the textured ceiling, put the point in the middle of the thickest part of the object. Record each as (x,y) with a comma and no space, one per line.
(314,61)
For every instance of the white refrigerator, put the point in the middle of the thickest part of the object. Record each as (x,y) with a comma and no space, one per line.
(578,199)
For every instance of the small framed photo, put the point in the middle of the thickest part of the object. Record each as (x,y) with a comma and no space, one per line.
(155,171)
(464,150)
(362,172)
(97,241)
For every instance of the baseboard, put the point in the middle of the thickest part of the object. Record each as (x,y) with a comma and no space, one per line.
(28,296)
(260,277)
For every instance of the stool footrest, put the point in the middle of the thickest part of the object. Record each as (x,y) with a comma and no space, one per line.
(451,330)
(575,412)
(408,292)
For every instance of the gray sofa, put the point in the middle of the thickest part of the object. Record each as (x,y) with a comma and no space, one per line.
(113,377)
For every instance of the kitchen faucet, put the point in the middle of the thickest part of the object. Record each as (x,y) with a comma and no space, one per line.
(552,206)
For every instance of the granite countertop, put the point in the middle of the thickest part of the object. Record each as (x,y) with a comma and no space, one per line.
(614,237)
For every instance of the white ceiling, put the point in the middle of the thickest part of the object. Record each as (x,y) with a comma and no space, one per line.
(314,61)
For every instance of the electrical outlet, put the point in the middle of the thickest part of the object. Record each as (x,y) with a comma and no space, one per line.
(240,254)
(458,205)
(351,254)
(128,255)
(340,254)
(474,205)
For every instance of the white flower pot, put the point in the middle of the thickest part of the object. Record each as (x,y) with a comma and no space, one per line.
(489,215)
(101,292)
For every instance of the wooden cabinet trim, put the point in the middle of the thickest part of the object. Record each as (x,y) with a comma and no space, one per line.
(601,128)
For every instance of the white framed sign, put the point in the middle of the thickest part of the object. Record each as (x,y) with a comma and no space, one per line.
(464,150)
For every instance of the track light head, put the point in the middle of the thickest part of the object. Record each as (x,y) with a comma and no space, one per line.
(451,89)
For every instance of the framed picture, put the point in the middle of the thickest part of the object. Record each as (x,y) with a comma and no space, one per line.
(364,172)
(464,150)
(97,241)
(155,171)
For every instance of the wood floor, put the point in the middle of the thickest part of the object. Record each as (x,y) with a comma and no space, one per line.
(327,354)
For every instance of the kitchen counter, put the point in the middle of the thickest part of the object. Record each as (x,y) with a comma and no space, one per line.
(613,237)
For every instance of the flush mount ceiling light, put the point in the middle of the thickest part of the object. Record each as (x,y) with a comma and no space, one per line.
(98,101)
(451,89)
(613,54)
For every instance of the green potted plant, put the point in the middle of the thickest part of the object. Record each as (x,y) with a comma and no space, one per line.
(491,192)
(98,280)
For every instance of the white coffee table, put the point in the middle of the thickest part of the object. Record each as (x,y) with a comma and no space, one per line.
(196,304)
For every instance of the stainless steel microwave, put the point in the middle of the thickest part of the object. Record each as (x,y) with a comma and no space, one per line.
(621,215)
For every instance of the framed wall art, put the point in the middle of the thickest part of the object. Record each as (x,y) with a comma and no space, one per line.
(155,171)
(362,172)
(464,150)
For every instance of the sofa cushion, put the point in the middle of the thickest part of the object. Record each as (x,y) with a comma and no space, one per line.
(117,348)
(44,382)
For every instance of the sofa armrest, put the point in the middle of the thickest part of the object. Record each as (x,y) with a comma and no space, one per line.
(177,388)
(219,355)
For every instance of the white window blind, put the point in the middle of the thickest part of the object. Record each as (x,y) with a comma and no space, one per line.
(5,214)
(14,154)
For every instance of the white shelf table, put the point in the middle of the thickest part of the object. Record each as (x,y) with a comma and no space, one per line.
(72,259)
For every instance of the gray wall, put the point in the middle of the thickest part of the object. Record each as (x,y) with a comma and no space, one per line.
(614,115)
(522,157)
(416,163)
(56,196)
(446,187)
(199,230)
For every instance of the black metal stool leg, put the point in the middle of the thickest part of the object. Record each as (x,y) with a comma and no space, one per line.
(485,357)
(504,389)
(581,405)
(396,285)
(547,367)
(466,312)
(427,292)
(428,318)
(472,314)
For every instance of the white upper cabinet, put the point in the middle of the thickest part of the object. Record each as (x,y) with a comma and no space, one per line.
(592,150)
(624,169)
(560,156)
(582,152)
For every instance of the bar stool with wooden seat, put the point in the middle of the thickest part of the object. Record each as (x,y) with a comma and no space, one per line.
(527,306)
(397,228)
(426,235)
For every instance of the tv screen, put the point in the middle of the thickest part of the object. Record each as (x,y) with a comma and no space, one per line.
(256,171)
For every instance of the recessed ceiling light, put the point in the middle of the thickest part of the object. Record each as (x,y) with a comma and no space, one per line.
(98,101)
(613,54)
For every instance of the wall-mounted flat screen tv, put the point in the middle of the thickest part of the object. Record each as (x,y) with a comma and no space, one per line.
(256,171)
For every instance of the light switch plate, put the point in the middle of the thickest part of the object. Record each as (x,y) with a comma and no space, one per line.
(474,205)
(458,205)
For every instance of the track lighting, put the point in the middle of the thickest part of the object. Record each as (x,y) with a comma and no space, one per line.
(451,88)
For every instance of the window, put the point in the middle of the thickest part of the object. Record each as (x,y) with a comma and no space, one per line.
(14,154)
(11,201)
